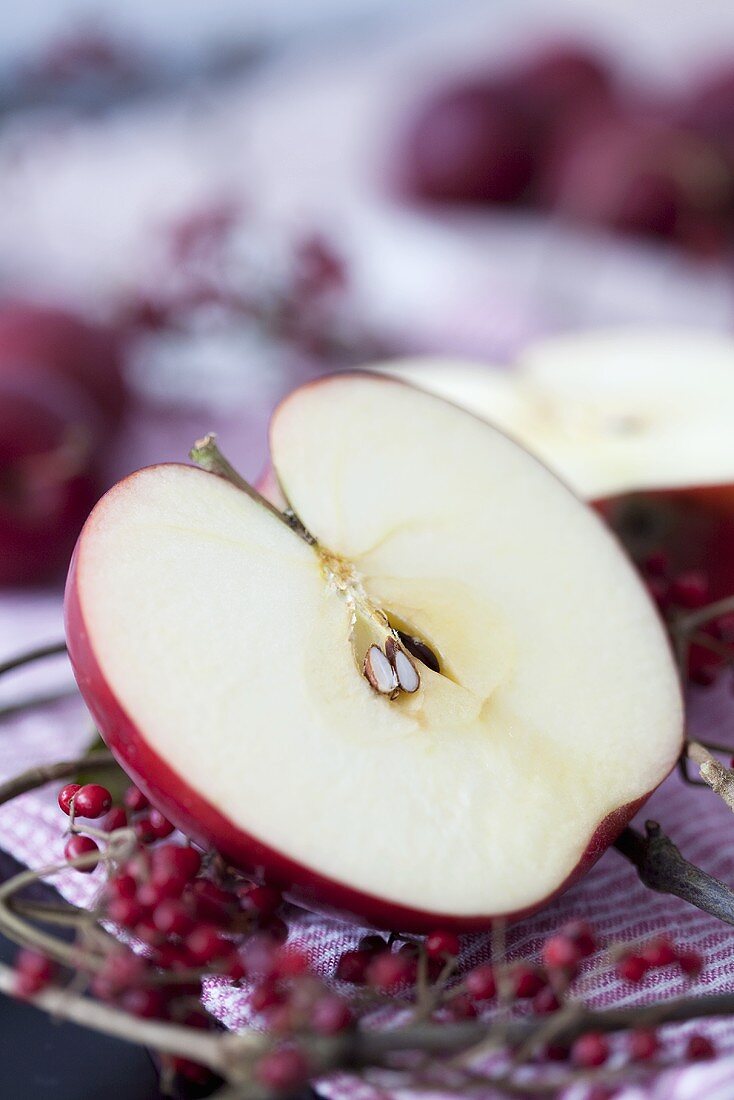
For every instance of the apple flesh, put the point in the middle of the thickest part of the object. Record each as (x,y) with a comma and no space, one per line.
(611,411)
(221,655)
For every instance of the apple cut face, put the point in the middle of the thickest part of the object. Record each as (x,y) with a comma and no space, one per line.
(611,411)
(222,656)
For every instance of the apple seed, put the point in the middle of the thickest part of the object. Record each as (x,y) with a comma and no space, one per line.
(379,672)
(405,670)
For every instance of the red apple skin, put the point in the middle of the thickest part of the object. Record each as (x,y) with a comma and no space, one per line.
(54,347)
(204,823)
(48,486)
(693,525)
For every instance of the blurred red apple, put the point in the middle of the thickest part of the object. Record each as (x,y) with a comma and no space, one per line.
(60,349)
(641,174)
(473,142)
(48,485)
(561,77)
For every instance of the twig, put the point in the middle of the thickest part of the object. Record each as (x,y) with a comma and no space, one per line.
(719,778)
(54,649)
(220,1053)
(661,867)
(44,773)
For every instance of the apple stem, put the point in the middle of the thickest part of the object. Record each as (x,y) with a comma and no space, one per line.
(205,453)
(662,868)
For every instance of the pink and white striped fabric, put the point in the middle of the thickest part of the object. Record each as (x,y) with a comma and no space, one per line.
(610,897)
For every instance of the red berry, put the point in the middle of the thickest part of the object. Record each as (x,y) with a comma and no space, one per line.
(149,894)
(205,944)
(274,927)
(122,886)
(582,935)
(461,1007)
(211,902)
(92,800)
(121,970)
(125,911)
(632,968)
(145,830)
(330,1015)
(699,1048)
(659,952)
(148,932)
(160,825)
(234,968)
(480,982)
(723,628)
(590,1050)
(352,967)
(65,796)
(135,800)
(33,972)
(264,996)
(561,953)
(282,1070)
(116,819)
(691,589)
(643,1045)
(703,667)
(81,846)
(659,590)
(290,963)
(556,1052)
(374,943)
(656,564)
(387,971)
(690,963)
(175,859)
(545,1002)
(146,1003)
(263,900)
(442,945)
(526,981)
(172,918)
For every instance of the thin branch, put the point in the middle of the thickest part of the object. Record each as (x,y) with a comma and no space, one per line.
(206,454)
(218,1052)
(54,649)
(45,773)
(719,778)
(661,867)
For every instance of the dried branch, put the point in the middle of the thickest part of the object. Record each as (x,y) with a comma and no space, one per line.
(45,773)
(661,867)
(54,649)
(219,1052)
(718,777)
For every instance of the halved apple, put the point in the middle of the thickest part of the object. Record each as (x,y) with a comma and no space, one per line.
(610,411)
(221,650)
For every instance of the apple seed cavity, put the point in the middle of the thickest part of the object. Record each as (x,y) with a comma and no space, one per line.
(379,673)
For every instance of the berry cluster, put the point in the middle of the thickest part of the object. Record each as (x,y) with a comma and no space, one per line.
(679,592)
(181,916)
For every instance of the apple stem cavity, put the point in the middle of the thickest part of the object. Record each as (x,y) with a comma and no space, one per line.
(205,453)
